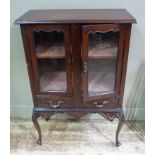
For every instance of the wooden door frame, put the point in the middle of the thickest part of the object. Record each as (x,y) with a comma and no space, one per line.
(101,27)
(68,56)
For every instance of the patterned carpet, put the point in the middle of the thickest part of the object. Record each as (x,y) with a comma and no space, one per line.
(70,137)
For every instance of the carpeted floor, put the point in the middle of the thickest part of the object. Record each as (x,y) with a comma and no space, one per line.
(70,137)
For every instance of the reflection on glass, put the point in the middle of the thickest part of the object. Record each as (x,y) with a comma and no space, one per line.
(50,52)
(52,75)
(102,56)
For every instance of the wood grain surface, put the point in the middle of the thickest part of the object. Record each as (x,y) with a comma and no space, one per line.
(76,16)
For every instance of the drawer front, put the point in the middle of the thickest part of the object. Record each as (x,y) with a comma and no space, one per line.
(104,103)
(53,102)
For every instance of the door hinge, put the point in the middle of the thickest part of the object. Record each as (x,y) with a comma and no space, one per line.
(69,61)
(85,67)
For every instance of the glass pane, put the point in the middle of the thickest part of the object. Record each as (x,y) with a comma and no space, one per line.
(102,54)
(50,52)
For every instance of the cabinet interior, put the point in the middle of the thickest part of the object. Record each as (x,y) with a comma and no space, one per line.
(102,53)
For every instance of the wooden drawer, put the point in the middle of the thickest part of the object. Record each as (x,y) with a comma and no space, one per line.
(53,101)
(104,103)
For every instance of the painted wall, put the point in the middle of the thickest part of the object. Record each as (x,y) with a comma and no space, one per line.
(21,99)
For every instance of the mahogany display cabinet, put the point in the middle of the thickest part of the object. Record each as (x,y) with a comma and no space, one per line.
(77,61)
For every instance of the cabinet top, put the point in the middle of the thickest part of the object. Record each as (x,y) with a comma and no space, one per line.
(76,16)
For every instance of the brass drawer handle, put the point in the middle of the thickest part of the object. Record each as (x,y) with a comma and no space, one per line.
(101,105)
(54,104)
(105,102)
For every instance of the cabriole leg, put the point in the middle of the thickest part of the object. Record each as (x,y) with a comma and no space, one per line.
(36,124)
(121,118)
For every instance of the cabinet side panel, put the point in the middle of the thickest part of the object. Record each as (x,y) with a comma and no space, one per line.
(76,61)
(127,32)
(28,60)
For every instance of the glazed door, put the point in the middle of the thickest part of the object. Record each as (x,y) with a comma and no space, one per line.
(51,58)
(102,47)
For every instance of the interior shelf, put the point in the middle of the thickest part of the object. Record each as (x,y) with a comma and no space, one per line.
(55,51)
(99,52)
(47,50)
